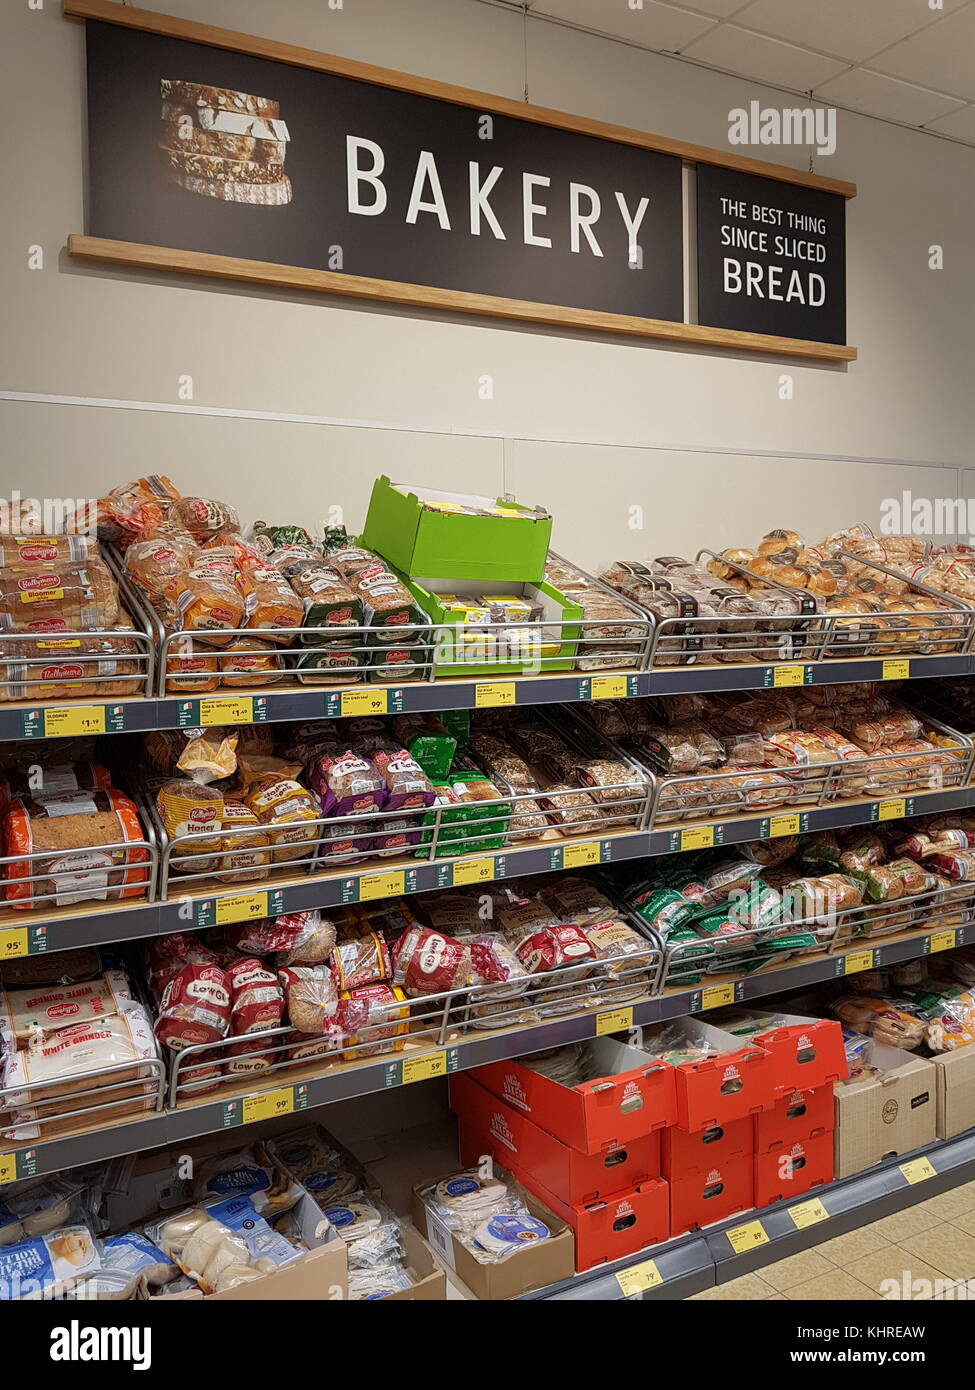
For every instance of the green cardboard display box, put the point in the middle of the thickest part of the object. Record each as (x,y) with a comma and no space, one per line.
(422,531)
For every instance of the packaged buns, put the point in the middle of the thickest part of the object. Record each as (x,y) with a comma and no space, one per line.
(245,854)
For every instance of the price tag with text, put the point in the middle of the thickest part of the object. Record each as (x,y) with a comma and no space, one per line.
(387,885)
(942,941)
(783,825)
(424,1068)
(240,907)
(698,837)
(750,1237)
(715,996)
(473,871)
(227,709)
(269,1105)
(8,1168)
(13,943)
(494,694)
(369,700)
(896,671)
(608,688)
(857,961)
(784,676)
(639,1278)
(578,856)
(68,723)
(918,1170)
(613,1021)
(891,810)
(808,1214)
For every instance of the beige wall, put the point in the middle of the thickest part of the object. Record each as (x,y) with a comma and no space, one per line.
(701,441)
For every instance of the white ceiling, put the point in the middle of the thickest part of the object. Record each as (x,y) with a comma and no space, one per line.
(911,61)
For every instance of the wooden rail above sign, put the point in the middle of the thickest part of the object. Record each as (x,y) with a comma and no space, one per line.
(435,213)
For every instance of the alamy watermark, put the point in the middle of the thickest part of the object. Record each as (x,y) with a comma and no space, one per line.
(813,126)
(908,515)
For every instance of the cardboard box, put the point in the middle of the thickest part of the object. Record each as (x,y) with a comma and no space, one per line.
(740,1080)
(605,1228)
(785,1173)
(633,1096)
(534,1267)
(956,1091)
(421,531)
(701,1197)
(695,1151)
(431,1282)
(321,1275)
(806,1052)
(797,1116)
(473,652)
(568,1174)
(885,1115)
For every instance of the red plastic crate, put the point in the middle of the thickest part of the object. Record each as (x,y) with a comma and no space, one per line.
(700,1198)
(799,1115)
(635,1096)
(566,1173)
(608,1228)
(789,1172)
(686,1152)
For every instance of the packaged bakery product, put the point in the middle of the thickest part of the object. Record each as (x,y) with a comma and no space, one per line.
(250,661)
(244,845)
(206,600)
(87,845)
(106,665)
(311,998)
(203,517)
(49,1265)
(374,1019)
(346,783)
(74,596)
(195,1008)
(270,603)
(326,598)
(154,562)
(569,808)
(425,962)
(47,782)
(27,1016)
(361,959)
(192,811)
(256,997)
(553,947)
(191,667)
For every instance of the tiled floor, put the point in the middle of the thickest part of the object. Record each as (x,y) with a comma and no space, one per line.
(926,1251)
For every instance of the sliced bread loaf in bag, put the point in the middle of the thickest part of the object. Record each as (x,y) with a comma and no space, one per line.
(72,836)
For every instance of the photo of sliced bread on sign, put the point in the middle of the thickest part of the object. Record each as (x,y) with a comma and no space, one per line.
(224,144)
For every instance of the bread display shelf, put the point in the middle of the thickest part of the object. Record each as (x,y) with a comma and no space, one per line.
(689,1264)
(241,1104)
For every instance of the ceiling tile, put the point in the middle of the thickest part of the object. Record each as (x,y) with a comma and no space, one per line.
(941,56)
(721,9)
(764,60)
(657,26)
(851,29)
(875,95)
(960,124)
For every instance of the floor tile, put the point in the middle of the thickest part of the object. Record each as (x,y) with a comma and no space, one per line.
(965,1222)
(948,1205)
(797,1269)
(948,1249)
(749,1288)
(836,1287)
(909,1222)
(777,1298)
(912,1277)
(959,1291)
(842,1250)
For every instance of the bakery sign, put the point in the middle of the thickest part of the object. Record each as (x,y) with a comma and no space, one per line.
(223,154)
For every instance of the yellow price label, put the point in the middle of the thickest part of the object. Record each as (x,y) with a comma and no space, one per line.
(699,837)
(578,856)
(367,701)
(613,1021)
(382,885)
(68,723)
(918,1170)
(13,943)
(788,675)
(808,1214)
(268,1105)
(639,1278)
(8,1168)
(490,694)
(748,1237)
(716,995)
(473,871)
(608,688)
(896,671)
(227,709)
(241,907)
(424,1068)
(937,941)
(783,825)
(891,810)
(857,961)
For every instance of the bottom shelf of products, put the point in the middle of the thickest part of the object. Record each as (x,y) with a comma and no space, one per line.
(657,1162)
